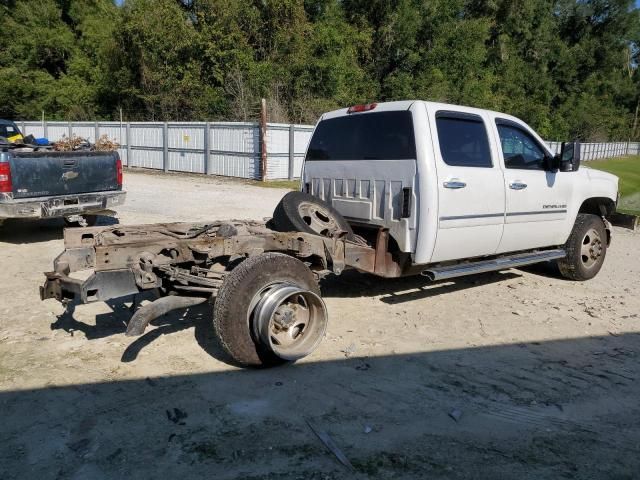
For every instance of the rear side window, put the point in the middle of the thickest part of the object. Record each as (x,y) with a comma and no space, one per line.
(463,140)
(8,130)
(369,136)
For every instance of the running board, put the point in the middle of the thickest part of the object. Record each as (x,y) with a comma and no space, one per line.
(481,266)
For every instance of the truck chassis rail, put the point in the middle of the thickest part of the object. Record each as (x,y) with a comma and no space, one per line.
(192,259)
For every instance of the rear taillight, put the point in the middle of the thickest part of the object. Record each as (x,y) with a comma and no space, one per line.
(362,108)
(5,178)
(119,171)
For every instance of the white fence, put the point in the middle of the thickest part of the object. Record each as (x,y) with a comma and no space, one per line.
(221,148)
(229,149)
(595,151)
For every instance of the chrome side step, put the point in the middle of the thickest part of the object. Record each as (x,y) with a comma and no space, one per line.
(501,263)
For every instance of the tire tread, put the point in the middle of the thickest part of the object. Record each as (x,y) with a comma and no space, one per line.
(235,336)
(570,266)
(287,219)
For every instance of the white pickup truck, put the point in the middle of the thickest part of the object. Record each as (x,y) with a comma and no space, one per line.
(453,182)
(392,189)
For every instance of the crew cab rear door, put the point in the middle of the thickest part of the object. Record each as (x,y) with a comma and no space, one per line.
(471,197)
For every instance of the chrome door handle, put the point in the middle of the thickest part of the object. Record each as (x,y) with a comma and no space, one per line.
(517,186)
(455,184)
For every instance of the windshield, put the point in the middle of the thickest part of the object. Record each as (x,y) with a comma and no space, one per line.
(370,136)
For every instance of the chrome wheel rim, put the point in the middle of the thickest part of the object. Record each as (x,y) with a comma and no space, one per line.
(591,249)
(319,219)
(290,321)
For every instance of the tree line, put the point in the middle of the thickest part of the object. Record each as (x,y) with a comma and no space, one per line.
(569,68)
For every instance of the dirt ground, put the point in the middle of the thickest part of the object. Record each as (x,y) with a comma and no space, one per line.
(517,374)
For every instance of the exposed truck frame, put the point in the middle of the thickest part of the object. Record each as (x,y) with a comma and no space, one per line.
(126,260)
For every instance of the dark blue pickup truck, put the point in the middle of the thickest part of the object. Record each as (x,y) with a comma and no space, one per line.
(75,186)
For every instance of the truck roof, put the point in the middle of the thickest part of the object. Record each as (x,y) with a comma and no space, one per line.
(406,104)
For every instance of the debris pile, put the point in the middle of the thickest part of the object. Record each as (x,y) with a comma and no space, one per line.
(70,144)
(75,143)
(105,144)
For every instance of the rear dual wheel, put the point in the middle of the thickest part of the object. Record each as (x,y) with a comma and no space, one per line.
(269,311)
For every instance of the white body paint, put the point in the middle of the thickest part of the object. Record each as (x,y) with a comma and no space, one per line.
(487,216)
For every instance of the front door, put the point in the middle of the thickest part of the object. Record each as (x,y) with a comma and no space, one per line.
(537,199)
(471,198)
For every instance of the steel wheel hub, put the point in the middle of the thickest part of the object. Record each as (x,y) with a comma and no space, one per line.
(320,220)
(288,320)
(591,249)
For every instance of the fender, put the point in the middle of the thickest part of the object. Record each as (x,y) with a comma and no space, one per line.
(595,192)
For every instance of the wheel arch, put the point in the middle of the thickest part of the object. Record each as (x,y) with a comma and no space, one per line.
(601,206)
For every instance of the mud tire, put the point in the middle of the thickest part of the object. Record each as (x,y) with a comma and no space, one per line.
(230,312)
(573,266)
(289,217)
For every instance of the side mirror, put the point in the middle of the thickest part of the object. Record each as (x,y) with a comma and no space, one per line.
(569,157)
(551,164)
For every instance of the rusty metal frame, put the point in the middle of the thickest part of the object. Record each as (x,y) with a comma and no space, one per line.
(191,257)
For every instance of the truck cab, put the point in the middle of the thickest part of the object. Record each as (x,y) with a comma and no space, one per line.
(451,182)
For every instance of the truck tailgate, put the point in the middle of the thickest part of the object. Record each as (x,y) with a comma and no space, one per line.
(40,174)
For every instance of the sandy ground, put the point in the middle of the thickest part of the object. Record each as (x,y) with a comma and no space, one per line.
(541,374)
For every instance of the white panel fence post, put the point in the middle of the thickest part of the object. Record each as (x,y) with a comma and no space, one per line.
(207,148)
(292,150)
(165,147)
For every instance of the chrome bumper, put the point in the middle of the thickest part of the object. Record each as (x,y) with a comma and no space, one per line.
(60,206)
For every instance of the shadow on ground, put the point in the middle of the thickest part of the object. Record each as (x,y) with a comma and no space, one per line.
(350,284)
(562,409)
(116,321)
(19,231)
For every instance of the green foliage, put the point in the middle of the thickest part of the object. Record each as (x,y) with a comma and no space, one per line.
(567,67)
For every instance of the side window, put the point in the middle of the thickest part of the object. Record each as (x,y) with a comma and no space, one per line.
(520,149)
(8,130)
(463,140)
